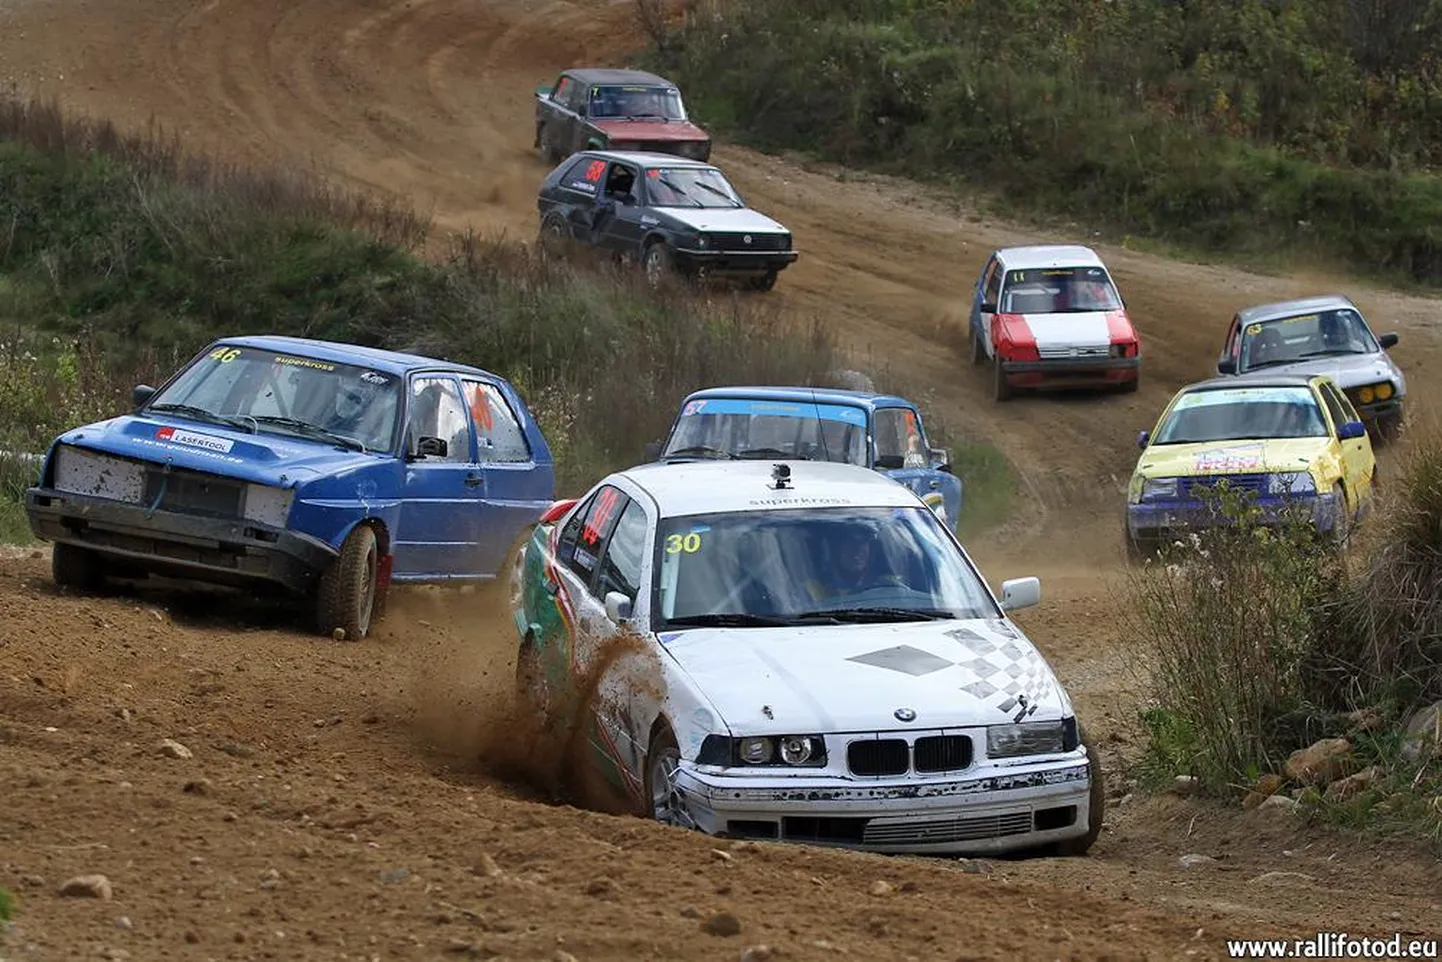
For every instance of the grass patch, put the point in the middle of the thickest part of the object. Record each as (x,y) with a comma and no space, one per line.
(1260,644)
(7,905)
(988,483)
(1245,127)
(121,255)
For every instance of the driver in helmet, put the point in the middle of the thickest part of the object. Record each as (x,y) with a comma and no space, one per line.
(1337,331)
(854,553)
(352,398)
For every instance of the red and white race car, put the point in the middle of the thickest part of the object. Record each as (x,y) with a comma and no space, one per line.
(1049,315)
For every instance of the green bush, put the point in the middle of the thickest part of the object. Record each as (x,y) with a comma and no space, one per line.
(1261,642)
(1227,621)
(1241,125)
(123,255)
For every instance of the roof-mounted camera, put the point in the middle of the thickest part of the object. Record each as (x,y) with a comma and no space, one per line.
(781,475)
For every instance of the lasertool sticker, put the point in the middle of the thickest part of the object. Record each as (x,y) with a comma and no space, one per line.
(194,440)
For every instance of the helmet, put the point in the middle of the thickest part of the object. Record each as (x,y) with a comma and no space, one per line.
(1334,327)
(351,396)
(855,530)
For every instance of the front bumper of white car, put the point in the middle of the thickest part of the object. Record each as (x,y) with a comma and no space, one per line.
(987,810)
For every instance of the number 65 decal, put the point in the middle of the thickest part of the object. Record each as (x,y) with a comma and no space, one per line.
(690,543)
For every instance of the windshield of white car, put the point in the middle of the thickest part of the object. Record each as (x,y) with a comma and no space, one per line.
(1236,414)
(746,428)
(809,566)
(690,187)
(1288,340)
(640,102)
(267,392)
(1059,290)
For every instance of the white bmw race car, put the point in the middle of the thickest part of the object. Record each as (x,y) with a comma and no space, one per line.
(813,658)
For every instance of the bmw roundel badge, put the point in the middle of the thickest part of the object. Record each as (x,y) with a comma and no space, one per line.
(904,714)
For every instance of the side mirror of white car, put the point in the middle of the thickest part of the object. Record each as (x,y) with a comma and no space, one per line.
(618,607)
(1020,593)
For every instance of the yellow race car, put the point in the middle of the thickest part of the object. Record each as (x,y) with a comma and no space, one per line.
(1285,440)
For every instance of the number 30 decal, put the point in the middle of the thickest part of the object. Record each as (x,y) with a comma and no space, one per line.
(675,544)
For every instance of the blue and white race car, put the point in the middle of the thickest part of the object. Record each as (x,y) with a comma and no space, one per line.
(324,470)
(878,431)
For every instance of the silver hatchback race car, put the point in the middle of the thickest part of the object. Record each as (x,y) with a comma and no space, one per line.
(1321,335)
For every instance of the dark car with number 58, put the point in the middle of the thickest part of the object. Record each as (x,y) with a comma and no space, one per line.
(669,214)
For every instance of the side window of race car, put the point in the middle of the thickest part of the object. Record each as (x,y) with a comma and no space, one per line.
(1231,349)
(993,284)
(584,176)
(1334,407)
(437,411)
(499,436)
(596,523)
(621,566)
(572,532)
(898,439)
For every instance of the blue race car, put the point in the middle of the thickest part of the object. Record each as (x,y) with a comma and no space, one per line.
(324,470)
(878,431)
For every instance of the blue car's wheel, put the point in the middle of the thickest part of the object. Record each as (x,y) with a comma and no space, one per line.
(346,599)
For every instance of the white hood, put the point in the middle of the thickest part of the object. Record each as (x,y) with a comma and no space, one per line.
(1067,330)
(847,678)
(725,219)
(1348,370)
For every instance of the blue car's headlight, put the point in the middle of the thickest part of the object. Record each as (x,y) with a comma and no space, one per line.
(1159,488)
(1293,482)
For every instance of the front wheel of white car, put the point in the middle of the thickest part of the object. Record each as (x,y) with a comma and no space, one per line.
(664,801)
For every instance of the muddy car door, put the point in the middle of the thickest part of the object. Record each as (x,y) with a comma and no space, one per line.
(618,216)
(582,545)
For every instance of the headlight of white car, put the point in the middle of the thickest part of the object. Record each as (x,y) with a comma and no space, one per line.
(1159,488)
(1031,738)
(1292,482)
(792,751)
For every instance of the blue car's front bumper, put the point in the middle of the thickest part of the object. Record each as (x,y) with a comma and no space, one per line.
(1153,520)
(216,550)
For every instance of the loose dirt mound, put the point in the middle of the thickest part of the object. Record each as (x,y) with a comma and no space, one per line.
(350,770)
(327,809)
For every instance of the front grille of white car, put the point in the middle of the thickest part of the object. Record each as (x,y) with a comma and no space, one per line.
(926,754)
(941,830)
(1062,353)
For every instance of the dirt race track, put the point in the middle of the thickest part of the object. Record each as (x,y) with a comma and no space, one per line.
(330,808)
